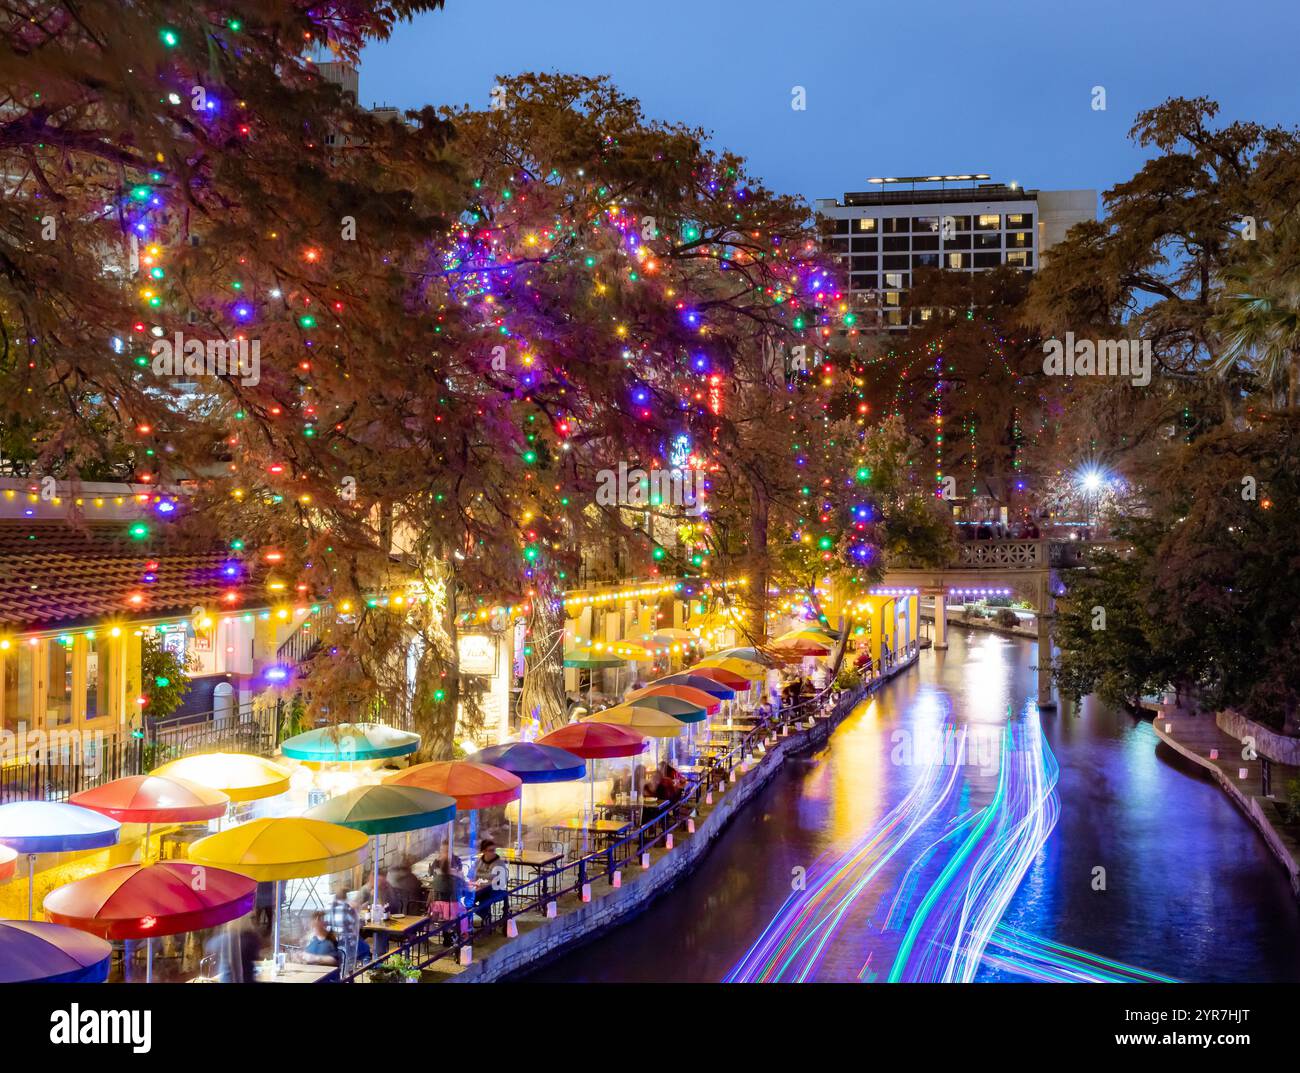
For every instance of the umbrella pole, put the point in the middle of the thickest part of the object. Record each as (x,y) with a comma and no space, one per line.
(374,885)
(31,883)
(148,830)
(275,923)
(521,821)
(148,960)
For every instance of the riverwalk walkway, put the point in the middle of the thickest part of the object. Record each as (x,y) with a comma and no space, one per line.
(556,924)
(1199,738)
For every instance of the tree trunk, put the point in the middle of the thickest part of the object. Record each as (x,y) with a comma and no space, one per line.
(542,697)
(756,624)
(433,716)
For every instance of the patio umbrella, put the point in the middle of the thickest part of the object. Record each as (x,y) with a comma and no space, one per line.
(150,799)
(674,635)
(591,660)
(139,901)
(749,655)
(798,647)
(755,672)
(531,763)
(239,776)
(473,786)
(33,827)
(689,705)
(737,682)
(697,681)
(8,864)
(346,742)
(36,952)
(595,741)
(384,809)
(650,722)
(276,849)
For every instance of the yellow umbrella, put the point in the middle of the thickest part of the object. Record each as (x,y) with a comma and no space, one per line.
(809,634)
(239,776)
(755,672)
(648,721)
(274,849)
(282,847)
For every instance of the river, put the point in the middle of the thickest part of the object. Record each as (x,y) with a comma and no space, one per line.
(867,862)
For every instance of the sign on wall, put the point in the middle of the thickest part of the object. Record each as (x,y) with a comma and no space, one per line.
(478,654)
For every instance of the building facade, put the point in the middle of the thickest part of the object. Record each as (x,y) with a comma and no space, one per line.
(958,223)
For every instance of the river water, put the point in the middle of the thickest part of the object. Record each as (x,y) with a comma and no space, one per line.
(864,863)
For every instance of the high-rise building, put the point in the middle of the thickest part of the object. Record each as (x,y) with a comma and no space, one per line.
(955,222)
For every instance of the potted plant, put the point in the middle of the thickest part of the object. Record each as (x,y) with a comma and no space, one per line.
(396,969)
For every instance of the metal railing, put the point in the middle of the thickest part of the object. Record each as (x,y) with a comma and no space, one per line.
(55,764)
(434,940)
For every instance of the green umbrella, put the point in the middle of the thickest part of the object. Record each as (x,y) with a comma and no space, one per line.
(385,809)
(591,660)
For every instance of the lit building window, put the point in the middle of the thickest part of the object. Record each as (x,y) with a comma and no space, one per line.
(987,220)
(866,223)
(954,260)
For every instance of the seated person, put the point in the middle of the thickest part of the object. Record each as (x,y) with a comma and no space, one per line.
(672,783)
(321,949)
(389,898)
(406,887)
(491,877)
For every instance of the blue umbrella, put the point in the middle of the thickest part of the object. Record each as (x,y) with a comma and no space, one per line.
(33,827)
(697,681)
(35,952)
(531,763)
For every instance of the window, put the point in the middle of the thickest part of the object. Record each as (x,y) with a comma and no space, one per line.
(925,314)
(1020,258)
(925,260)
(892,298)
(16,688)
(58,683)
(897,225)
(863,283)
(894,279)
(989,221)
(895,245)
(99,676)
(894,317)
(925,223)
(896,260)
(988,242)
(988,260)
(955,260)
(925,242)
(1018,239)
(841,227)
(958,223)
(865,245)
(1017,221)
(867,223)
(840,245)
(864,264)
(958,242)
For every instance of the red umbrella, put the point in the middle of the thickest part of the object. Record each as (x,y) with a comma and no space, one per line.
(595,741)
(690,694)
(139,901)
(151,799)
(796,648)
(727,678)
(472,785)
(8,863)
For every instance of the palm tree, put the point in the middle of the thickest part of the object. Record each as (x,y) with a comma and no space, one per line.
(1259,312)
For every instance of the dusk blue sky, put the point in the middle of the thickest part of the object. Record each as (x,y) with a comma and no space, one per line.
(892,89)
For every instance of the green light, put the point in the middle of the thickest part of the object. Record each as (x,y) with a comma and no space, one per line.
(825,543)
(530,554)
(307,321)
(863,474)
(440,695)
(139,531)
(170,38)
(140,193)
(236,545)
(161,682)
(659,554)
(530,457)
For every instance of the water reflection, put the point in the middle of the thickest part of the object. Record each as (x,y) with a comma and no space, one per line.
(1149,865)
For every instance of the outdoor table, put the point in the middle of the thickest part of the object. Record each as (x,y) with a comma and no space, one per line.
(398,926)
(600,830)
(294,973)
(693,769)
(536,859)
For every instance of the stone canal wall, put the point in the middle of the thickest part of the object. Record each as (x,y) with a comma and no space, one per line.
(584,921)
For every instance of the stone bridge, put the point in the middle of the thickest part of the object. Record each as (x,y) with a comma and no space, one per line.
(1027,570)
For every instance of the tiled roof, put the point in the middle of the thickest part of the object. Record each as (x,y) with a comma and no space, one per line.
(67,578)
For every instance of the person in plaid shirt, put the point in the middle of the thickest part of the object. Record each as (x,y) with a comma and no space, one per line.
(343,920)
